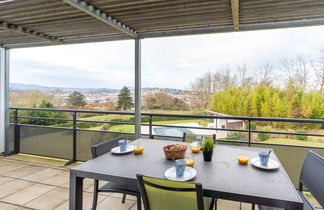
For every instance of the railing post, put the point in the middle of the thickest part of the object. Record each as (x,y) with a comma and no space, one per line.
(150,127)
(74,142)
(16,133)
(249,133)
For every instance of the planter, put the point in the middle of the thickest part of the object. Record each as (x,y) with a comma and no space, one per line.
(208,155)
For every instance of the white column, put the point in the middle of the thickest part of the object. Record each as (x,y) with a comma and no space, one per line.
(137,88)
(4,99)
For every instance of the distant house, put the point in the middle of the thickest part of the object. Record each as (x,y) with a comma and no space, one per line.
(224,123)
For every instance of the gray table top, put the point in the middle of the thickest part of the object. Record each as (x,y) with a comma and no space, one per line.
(223,175)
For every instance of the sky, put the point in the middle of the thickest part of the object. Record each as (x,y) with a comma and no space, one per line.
(173,62)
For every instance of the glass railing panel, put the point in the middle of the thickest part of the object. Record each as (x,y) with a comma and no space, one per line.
(86,139)
(11,137)
(44,141)
(291,158)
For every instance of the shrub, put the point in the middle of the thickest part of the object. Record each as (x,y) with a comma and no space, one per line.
(299,137)
(263,136)
(234,136)
(253,126)
(105,127)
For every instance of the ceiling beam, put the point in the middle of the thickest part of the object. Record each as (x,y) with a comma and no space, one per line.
(179,32)
(102,16)
(235,14)
(29,32)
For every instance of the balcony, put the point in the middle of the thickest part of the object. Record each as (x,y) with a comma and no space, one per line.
(29,182)
(35,174)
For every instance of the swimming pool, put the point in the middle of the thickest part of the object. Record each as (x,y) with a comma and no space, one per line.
(178,132)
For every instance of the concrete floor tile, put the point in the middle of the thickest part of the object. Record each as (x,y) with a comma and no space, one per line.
(87,183)
(42,175)
(12,187)
(61,179)
(24,171)
(134,207)
(87,202)
(90,188)
(4,169)
(120,195)
(28,194)
(114,203)
(4,180)
(50,200)
(4,206)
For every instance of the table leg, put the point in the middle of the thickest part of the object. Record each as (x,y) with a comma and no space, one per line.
(76,192)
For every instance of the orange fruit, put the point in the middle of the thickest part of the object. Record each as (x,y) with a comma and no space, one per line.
(138,150)
(242,159)
(195,149)
(190,162)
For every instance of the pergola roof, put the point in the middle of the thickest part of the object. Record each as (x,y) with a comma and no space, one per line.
(26,23)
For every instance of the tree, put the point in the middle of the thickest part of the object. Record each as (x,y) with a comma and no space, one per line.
(318,68)
(203,89)
(124,99)
(265,75)
(243,76)
(76,100)
(296,70)
(44,114)
(163,101)
(204,86)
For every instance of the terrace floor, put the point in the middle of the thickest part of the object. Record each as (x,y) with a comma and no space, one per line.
(28,182)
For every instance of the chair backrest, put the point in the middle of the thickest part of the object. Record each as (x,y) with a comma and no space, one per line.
(312,176)
(104,147)
(192,137)
(160,194)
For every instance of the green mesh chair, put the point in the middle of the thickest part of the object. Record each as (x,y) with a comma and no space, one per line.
(192,137)
(161,194)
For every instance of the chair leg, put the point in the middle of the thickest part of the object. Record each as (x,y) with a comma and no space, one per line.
(124,198)
(216,204)
(139,202)
(95,195)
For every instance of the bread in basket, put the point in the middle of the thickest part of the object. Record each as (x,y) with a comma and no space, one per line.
(175,151)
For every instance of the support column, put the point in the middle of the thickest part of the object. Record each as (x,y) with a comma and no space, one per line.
(137,88)
(4,100)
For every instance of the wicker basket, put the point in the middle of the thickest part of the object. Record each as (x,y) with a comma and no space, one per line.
(175,153)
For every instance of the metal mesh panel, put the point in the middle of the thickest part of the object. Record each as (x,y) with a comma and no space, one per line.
(50,142)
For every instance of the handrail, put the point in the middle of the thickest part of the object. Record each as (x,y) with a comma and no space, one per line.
(177,115)
(74,122)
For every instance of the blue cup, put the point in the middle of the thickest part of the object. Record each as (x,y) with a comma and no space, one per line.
(123,145)
(264,158)
(180,166)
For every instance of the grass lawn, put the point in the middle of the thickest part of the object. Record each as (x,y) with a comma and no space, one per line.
(294,142)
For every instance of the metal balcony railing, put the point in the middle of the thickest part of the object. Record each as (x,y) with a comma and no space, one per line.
(74,142)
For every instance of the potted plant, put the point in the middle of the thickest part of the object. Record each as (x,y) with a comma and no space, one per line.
(208,148)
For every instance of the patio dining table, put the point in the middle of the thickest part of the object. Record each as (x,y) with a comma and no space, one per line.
(221,178)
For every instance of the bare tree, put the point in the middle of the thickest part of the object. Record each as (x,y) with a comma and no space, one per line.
(243,76)
(296,70)
(318,68)
(265,75)
(208,84)
(202,88)
(226,78)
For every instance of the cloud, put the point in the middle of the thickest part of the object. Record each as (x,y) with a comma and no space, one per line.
(166,62)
